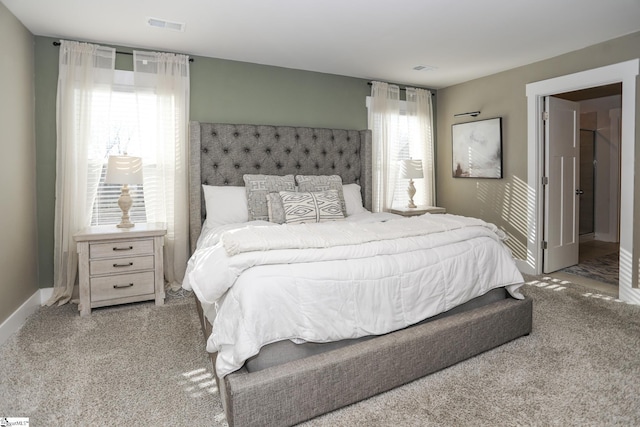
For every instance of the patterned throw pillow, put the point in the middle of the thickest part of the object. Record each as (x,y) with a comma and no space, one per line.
(315,183)
(306,207)
(258,186)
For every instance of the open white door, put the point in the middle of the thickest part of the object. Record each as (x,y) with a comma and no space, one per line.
(561,189)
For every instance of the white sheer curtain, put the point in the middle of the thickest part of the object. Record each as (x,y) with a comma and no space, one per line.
(85,78)
(420,134)
(384,122)
(400,130)
(162,88)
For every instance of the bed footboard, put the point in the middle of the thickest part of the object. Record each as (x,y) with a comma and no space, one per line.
(305,388)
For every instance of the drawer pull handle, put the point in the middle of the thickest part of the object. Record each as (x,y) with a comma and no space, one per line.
(122,286)
(123,265)
(123,249)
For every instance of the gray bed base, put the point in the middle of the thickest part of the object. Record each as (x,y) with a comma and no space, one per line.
(303,389)
(297,391)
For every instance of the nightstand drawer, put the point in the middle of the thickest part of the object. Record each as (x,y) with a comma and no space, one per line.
(120,265)
(121,286)
(121,248)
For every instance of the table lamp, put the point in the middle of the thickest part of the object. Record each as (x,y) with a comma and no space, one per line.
(411,169)
(125,170)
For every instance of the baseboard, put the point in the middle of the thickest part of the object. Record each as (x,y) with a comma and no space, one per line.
(17,319)
(525,267)
(587,237)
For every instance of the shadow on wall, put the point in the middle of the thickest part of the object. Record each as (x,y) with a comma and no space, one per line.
(510,202)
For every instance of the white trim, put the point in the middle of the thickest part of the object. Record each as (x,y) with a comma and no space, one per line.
(15,321)
(626,73)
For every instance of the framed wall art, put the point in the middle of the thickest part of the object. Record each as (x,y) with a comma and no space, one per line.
(477,149)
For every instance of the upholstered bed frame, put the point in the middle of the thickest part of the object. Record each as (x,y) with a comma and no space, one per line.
(286,394)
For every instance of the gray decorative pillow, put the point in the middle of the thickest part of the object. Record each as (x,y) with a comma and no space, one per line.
(275,208)
(258,186)
(306,207)
(315,183)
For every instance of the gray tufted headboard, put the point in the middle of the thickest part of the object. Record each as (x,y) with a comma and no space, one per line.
(220,154)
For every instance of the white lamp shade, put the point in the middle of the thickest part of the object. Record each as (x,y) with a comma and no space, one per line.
(124,170)
(411,169)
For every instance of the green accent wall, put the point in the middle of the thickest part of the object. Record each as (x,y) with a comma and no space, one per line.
(221,91)
(46,83)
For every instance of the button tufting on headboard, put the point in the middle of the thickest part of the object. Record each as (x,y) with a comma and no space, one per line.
(223,153)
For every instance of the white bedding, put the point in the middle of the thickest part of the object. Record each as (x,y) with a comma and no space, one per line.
(322,294)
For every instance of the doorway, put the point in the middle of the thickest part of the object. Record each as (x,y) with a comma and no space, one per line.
(625,72)
(598,190)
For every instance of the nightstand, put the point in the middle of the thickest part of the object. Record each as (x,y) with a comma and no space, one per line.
(120,265)
(420,210)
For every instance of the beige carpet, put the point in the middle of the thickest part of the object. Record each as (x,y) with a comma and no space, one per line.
(145,365)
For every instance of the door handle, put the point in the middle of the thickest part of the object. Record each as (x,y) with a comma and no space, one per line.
(579,192)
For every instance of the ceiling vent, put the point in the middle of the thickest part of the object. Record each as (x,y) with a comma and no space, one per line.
(424,67)
(167,25)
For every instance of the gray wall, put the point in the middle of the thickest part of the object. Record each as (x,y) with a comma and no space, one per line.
(221,91)
(503,202)
(18,249)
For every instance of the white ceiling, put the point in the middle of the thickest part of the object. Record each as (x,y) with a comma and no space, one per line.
(371,39)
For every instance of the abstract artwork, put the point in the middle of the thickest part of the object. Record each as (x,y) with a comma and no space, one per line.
(477,149)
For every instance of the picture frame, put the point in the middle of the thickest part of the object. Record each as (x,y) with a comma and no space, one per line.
(477,149)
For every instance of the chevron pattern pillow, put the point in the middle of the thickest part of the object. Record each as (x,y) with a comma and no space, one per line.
(322,183)
(306,207)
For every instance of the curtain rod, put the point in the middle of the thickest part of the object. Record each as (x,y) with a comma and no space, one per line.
(405,88)
(117,51)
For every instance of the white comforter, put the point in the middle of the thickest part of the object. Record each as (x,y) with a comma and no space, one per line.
(339,280)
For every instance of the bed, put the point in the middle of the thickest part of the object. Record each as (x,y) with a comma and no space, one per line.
(297,377)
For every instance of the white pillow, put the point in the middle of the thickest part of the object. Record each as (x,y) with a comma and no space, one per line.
(353,199)
(225,204)
(308,207)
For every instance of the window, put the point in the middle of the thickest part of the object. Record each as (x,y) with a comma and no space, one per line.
(127,114)
(403,149)
(403,152)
